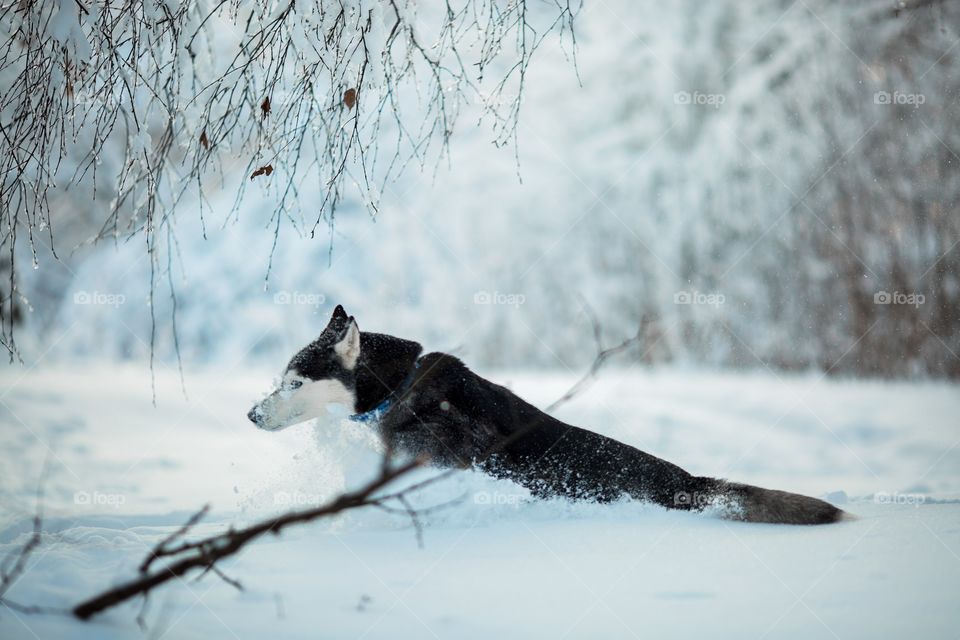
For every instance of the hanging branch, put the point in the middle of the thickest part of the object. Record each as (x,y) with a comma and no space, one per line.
(142,105)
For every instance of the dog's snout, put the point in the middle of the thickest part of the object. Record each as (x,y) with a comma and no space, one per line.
(254,415)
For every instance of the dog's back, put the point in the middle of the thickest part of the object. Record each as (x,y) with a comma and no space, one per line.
(460,419)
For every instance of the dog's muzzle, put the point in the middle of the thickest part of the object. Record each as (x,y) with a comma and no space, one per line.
(254,415)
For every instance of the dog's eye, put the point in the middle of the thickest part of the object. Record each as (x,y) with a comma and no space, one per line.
(294,384)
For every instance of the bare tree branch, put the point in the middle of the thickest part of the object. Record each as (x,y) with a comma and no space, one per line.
(205,553)
(15,564)
(603,354)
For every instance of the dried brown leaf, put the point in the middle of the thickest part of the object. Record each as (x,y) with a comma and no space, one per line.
(350,98)
(265,170)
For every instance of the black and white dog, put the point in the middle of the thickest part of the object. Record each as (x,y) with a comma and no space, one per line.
(434,405)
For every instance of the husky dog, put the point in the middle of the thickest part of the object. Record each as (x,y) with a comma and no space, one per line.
(433,405)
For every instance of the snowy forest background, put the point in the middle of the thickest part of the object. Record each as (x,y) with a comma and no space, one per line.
(751,185)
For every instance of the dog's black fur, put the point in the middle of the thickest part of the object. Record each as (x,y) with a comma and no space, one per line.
(443,410)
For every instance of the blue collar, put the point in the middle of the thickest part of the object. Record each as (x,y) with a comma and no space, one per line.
(374,415)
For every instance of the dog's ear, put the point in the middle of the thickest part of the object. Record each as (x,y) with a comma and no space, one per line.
(339,315)
(338,323)
(348,346)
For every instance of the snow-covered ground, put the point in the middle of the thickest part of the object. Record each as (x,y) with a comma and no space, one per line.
(122,473)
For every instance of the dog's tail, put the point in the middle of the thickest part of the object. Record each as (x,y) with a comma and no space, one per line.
(747,503)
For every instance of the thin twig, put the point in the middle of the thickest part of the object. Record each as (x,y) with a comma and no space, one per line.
(598,361)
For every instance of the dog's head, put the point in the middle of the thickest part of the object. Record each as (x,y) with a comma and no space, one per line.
(320,377)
